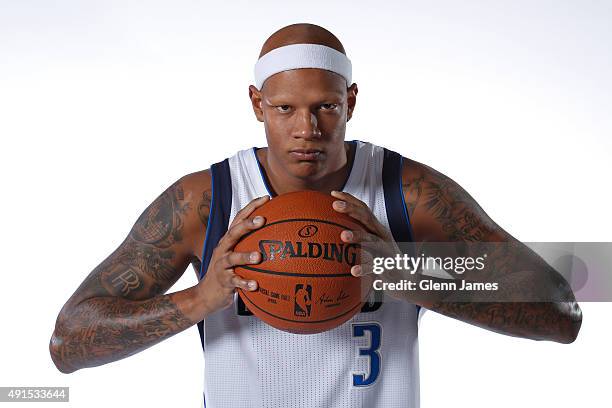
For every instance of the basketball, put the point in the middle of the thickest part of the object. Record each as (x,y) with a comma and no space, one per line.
(304,281)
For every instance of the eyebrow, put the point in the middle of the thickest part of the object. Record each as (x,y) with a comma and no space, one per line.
(326,96)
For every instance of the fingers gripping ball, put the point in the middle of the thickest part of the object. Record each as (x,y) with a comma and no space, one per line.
(304,280)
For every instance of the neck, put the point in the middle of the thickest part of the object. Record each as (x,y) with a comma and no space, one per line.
(280,182)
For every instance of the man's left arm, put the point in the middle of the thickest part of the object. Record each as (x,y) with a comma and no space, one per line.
(442,211)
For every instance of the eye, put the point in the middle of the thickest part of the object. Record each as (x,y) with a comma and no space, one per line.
(283,108)
(329,106)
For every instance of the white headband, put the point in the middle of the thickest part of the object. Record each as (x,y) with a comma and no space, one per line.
(297,56)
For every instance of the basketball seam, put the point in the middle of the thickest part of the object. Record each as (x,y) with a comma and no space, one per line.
(294,220)
(304,275)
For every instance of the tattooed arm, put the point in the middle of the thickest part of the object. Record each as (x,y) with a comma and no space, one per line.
(441,211)
(120,309)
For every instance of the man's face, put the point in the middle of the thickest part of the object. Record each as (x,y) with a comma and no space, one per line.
(305,113)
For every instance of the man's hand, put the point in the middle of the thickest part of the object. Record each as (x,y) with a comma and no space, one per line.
(220,282)
(375,241)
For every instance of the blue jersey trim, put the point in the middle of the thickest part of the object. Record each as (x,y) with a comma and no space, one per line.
(209,223)
(261,173)
(354,143)
(395,203)
(220,209)
(218,218)
(394,197)
(401,189)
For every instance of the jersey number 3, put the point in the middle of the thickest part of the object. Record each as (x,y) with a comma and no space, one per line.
(370,352)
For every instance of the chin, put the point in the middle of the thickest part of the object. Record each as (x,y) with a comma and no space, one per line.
(307,170)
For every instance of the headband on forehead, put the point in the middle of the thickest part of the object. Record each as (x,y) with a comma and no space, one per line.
(297,56)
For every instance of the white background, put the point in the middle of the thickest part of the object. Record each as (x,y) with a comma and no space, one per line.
(103,104)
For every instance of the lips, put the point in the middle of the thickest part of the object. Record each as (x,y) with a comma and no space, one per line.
(306,154)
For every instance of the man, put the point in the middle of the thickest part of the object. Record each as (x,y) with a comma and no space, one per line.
(304,97)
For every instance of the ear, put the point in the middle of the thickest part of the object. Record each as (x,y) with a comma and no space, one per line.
(256,101)
(351,99)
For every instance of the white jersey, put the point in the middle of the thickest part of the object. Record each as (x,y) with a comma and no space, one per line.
(369,361)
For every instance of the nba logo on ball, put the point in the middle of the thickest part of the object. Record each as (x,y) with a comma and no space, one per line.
(303,300)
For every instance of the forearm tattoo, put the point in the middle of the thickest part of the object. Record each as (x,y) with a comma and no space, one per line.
(105,329)
(557,321)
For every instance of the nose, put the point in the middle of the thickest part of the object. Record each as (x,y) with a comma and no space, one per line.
(306,125)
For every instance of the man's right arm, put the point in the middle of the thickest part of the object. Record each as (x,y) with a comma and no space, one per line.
(120,309)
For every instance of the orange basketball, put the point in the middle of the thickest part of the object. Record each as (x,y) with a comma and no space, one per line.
(304,280)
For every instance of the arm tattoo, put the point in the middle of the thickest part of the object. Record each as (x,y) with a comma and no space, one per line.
(139,262)
(460,217)
(413,192)
(161,224)
(120,308)
(204,207)
(105,329)
(533,320)
(456,217)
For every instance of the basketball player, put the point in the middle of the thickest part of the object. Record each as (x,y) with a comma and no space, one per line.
(304,96)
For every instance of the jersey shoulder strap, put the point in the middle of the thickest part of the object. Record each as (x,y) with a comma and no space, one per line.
(395,204)
(218,218)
